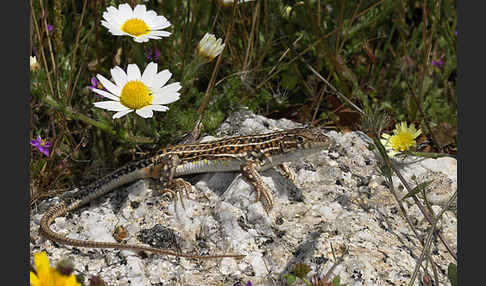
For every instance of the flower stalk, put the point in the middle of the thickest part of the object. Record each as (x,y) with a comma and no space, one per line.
(69,112)
(58,24)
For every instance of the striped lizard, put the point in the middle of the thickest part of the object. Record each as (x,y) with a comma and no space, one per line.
(247,154)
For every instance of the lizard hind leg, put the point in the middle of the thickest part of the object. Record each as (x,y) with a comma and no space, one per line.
(249,170)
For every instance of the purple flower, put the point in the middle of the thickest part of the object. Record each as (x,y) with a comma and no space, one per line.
(42,145)
(247,284)
(152,55)
(156,54)
(50,28)
(439,63)
(455,33)
(95,83)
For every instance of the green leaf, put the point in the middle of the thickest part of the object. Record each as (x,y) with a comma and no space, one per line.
(301,270)
(411,106)
(336,281)
(417,189)
(289,79)
(290,278)
(452,273)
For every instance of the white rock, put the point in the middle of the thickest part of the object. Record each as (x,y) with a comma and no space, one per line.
(256,261)
(343,202)
(228,266)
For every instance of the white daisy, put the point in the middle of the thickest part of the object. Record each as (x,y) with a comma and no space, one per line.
(138,23)
(209,47)
(131,91)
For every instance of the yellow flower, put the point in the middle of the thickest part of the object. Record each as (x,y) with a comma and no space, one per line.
(48,276)
(403,138)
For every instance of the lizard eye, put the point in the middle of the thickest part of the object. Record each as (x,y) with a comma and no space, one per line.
(300,139)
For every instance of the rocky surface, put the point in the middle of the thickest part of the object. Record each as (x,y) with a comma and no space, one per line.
(338,200)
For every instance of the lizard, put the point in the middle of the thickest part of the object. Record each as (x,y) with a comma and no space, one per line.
(247,154)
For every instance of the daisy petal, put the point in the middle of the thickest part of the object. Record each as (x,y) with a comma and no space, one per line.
(113,19)
(149,72)
(111,105)
(119,76)
(160,33)
(106,24)
(117,32)
(160,27)
(141,39)
(112,25)
(150,14)
(114,14)
(157,107)
(145,112)
(133,72)
(165,98)
(160,79)
(160,22)
(173,87)
(153,37)
(109,85)
(113,11)
(121,113)
(126,11)
(139,11)
(105,94)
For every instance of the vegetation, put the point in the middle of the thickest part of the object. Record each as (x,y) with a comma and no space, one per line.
(312,61)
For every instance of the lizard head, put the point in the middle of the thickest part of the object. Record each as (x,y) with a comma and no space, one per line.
(306,138)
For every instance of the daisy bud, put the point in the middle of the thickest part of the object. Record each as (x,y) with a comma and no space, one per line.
(34,65)
(209,47)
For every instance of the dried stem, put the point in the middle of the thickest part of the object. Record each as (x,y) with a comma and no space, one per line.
(74,51)
(430,236)
(420,206)
(41,47)
(49,44)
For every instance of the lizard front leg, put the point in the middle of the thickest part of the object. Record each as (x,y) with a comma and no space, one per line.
(249,170)
(164,171)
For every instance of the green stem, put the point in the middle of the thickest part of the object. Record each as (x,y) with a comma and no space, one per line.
(68,111)
(306,282)
(429,154)
(190,71)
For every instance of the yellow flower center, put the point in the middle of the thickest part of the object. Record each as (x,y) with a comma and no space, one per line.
(135,95)
(135,27)
(402,141)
